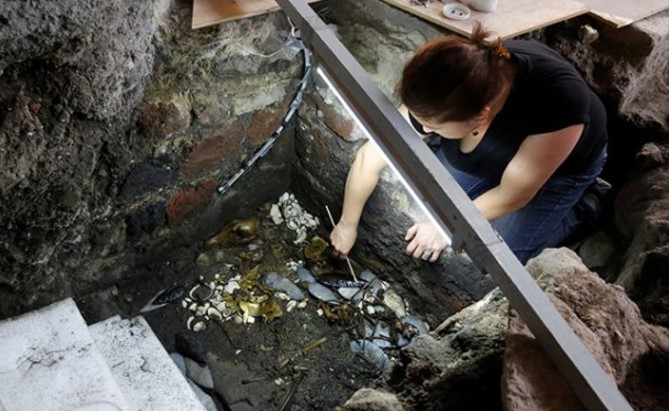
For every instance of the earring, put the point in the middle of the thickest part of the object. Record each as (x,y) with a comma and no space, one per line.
(475,133)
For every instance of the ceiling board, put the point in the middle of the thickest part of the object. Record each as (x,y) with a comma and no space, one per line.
(510,19)
(210,12)
(621,13)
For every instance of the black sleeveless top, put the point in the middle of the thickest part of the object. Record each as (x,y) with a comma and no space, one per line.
(548,94)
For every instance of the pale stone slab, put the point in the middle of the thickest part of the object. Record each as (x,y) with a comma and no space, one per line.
(145,372)
(621,13)
(511,17)
(210,12)
(48,362)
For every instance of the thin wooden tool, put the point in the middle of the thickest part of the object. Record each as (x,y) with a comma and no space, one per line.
(350,267)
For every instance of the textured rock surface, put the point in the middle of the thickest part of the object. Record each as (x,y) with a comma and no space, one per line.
(117,124)
(530,380)
(633,352)
(368,399)
(642,215)
(457,366)
(70,74)
(630,65)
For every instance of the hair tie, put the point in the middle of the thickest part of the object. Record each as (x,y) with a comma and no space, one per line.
(500,50)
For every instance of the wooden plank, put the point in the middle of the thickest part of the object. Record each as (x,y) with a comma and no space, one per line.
(621,13)
(510,19)
(210,12)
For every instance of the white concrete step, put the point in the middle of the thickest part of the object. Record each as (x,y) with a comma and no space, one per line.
(148,377)
(48,361)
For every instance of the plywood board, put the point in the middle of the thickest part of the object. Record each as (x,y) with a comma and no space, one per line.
(511,17)
(621,13)
(210,12)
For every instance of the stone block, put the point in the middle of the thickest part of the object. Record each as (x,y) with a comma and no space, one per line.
(381,37)
(185,204)
(161,118)
(628,65)
(145,221)
(50,361)
(458,365)
(264,122)
(258,92)
(334,115)
(218,146)
(146,375)
(367,399)
(145,179)
(631,351)
(210,110)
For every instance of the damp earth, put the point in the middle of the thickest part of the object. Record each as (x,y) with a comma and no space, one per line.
(271,337)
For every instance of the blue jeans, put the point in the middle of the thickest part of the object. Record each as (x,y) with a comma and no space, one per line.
(547,220)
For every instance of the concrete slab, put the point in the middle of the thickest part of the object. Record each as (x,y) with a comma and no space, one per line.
(49,362)
(146,374)
(209,12)
(621,13)
(511,18)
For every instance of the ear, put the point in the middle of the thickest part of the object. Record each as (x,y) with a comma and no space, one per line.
(484,114)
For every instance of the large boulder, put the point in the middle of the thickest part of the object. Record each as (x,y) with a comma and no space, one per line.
(634,353)
(628,65)
(642,216)
(457,366)
(71,73)
(367,399)
(118,123)
(460,364)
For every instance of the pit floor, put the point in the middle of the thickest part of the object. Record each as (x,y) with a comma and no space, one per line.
(321,377)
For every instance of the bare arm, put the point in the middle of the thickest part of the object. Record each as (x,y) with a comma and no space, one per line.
(534,163)
(362,179)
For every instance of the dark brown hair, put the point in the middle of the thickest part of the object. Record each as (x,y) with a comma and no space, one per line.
(452,78)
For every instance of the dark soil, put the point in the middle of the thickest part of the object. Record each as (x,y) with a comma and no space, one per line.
(325,376)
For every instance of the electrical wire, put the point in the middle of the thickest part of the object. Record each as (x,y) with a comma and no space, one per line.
(292,109)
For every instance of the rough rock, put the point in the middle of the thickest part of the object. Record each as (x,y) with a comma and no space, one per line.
(367,399)
(459,364)
(629,64)
(530,380)
(635,354)
(642,216)
(71,73)
(597,250)
(651,155)
(119,118)
(381,37)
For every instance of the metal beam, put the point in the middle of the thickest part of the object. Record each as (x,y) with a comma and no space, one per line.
(454,211)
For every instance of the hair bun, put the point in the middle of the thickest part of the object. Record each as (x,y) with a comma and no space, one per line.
(500,50)
(478,38)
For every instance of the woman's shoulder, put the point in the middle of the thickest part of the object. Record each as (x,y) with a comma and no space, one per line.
(532,48)
(540,64)
(558,94)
